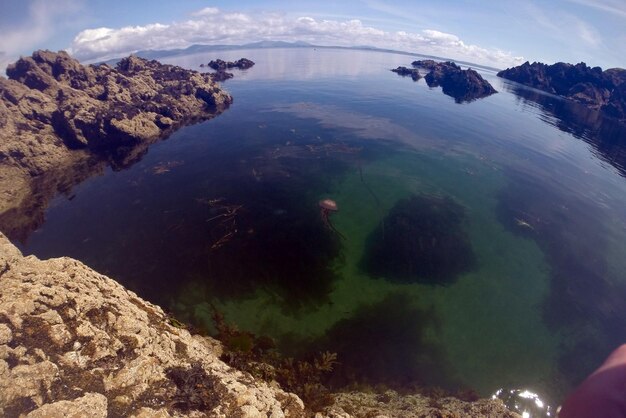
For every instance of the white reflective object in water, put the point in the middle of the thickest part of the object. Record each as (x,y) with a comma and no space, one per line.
(524,402)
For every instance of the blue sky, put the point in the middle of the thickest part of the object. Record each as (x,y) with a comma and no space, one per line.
(499,33)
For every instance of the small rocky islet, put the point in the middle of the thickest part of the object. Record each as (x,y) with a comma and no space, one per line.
(463,85)
(220,66)
(596,89)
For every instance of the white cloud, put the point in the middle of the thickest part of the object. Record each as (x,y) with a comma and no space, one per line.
(44,19)
(211,25)
(207,11)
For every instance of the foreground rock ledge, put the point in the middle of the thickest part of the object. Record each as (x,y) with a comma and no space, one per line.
(76,343)
(60,120)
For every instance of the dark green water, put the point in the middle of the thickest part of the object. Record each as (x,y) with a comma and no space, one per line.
(518,202)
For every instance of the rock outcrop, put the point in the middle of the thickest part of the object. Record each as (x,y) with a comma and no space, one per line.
(58,117)
(463,85)
(414,73)
(76,343)
(592,87)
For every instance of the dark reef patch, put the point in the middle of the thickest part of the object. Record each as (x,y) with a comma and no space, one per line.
(422,240)
(385,344)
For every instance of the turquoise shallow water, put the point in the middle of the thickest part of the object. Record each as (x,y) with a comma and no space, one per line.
(225,214)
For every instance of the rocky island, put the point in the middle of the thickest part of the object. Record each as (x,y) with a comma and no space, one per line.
(61,122)
(220,67)
(462,85)
(242,64)
(591,87)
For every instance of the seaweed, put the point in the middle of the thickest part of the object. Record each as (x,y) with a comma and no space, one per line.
(421,240)
(385,345)
(259,356)
(195,389)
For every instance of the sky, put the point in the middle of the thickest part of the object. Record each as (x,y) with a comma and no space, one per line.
(500,33)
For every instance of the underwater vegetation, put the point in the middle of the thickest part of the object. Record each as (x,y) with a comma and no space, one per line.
(385,345)
(259,356)
(421,240)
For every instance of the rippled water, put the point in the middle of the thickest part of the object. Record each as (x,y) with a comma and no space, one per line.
(518,200)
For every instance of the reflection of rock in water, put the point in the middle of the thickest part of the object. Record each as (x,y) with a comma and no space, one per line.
(607,136)
(385,344)
(422,241)
(585,304)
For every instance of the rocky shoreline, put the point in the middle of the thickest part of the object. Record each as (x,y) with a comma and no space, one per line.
(61,122)
(596,89)
(74,343)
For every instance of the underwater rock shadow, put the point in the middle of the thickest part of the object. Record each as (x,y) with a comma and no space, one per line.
(385,345)
(421,240)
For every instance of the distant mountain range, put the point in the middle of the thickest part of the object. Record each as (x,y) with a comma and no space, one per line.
(199,48)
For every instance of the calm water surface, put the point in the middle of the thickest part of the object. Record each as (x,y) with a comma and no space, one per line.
(517,201)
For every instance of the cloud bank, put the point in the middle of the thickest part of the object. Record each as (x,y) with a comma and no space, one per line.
(213,26)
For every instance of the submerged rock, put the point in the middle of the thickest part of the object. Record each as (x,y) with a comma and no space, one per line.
(463,85)
(421,240)
(58,117)
(404,71)
(592,87)
(221,75)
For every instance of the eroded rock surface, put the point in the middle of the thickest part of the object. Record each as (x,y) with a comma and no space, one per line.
(592,87)
(59,118)
(463,85)
(73,340)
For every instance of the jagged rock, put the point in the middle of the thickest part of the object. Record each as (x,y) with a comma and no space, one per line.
(589,86)
(427,64)
(58,117)
(73,340)
(463,85)
(221,65)
(404,71)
